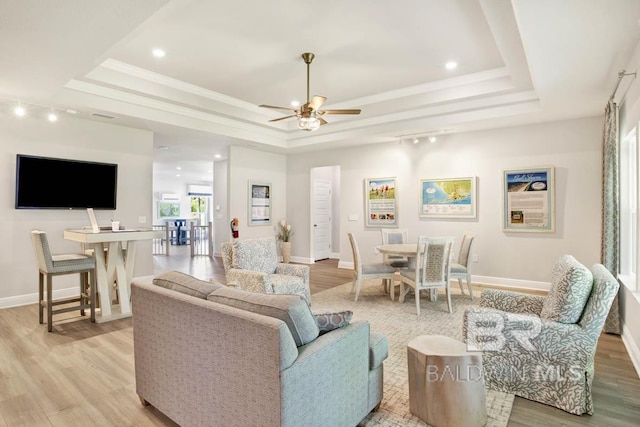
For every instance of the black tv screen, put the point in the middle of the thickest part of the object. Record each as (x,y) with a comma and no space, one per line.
(49,183)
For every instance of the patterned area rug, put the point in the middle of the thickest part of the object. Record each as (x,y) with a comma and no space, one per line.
(399,323)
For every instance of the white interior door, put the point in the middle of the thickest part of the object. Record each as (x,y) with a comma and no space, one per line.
(321,219)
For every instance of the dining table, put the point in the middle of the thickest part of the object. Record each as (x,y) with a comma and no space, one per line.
(113,265)
(408,250)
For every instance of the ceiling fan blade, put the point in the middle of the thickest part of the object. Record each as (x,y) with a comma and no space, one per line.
(277,108)
(282,118)
(353,111)
(322,121)
(316,102)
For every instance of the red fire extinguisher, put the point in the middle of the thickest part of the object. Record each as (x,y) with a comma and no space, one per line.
(234,228)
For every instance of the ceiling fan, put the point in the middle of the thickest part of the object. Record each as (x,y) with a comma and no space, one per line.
(309,114)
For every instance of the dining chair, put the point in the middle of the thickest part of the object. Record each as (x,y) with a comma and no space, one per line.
(460,270)
(432,269)
(54,265)
(368,271)
(395,236)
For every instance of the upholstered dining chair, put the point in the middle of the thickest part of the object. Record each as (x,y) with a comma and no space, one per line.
(368,271)
(394,236)
(54,265)
(460,270)
(432,269)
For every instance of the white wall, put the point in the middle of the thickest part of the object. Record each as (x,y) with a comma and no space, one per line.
(72,138)
(573,147)
(252,165)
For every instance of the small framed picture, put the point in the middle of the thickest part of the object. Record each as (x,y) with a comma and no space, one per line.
(259,203)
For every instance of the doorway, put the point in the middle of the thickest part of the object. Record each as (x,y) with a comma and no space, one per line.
(325,221)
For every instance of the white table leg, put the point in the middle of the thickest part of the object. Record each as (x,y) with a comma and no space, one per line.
(130,263)
(117,260)
(102,279)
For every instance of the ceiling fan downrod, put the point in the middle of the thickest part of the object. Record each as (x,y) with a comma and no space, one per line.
(308,57)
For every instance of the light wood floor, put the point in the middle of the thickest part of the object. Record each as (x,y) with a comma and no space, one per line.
(83,373)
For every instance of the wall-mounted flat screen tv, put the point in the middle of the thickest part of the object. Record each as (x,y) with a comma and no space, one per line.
(50,183)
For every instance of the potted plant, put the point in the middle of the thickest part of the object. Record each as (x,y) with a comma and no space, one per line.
(284,234)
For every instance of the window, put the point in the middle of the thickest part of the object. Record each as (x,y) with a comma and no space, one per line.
(629,209)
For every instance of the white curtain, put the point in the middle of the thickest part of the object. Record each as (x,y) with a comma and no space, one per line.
(610,242)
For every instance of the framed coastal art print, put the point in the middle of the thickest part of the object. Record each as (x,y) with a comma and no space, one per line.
(528,200)
(381,205)
(259,203)
(168,210)
(448,198)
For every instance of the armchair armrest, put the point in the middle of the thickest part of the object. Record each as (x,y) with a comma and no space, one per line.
(248,280)
(511,302)
(293,270)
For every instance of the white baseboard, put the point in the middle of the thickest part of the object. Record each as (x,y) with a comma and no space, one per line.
(19,300)
(632,348)
(302,260)
(504,282)
(345,264)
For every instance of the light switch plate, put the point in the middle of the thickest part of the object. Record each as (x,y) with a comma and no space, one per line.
(142,220)
(353,217)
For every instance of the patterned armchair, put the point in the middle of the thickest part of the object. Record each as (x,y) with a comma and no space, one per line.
(543,348)
(252,265)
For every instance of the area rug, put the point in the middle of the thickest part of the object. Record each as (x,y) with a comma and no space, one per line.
(399,323)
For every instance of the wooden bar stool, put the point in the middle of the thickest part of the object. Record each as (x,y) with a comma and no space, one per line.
(55,265)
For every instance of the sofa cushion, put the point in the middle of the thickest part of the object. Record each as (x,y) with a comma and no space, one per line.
(185,284)
(328,321)
(256,255)
(291,309)
(571,284)
(378,349)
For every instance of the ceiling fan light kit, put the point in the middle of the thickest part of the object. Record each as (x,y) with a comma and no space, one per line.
(309,114)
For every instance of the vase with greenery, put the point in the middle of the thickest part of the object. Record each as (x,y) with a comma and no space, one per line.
(283,234)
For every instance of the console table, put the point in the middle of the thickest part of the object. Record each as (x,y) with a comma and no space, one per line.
(113,267)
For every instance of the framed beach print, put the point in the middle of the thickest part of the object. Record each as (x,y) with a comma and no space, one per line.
(448,197)
(380,202)
(529,200)
(168,210)
(259,203)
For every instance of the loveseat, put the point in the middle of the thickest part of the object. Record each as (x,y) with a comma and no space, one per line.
(252,264)
(211,355)
(543,348)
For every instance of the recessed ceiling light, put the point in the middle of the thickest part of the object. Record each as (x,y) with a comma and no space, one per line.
(209,171)
(415,140)
(432,139)
(178,167)
(295,104)
(217,156)
(158,53)
(20,111)
(451,65)
(52,117)
(178,175)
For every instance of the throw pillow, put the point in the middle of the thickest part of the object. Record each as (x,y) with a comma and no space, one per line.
(291,309)
(329,321)
(186,284)
(256,255)
(571,284)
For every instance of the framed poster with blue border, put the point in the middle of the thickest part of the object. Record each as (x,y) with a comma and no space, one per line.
(528,200)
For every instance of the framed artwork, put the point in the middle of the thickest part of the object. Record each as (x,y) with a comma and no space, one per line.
(168,210)
(380,202)
(529,200)
(448,197)
(259,203)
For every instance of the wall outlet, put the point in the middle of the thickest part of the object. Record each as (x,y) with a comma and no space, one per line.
(142,220)
(476,258)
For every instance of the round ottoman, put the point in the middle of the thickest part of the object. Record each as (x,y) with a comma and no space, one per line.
(446,386)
